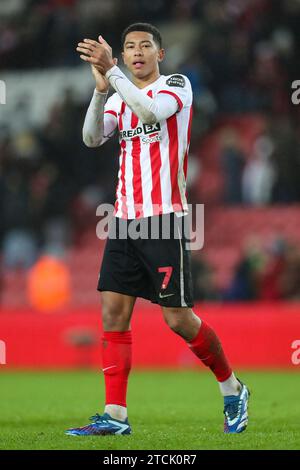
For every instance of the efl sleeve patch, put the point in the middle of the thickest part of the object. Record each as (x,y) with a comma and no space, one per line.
(176,80)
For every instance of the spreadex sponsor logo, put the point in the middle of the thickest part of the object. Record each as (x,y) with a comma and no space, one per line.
(144,129)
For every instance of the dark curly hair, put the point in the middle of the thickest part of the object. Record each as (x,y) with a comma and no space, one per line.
(147,27)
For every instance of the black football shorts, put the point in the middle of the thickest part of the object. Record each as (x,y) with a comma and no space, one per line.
(150,260)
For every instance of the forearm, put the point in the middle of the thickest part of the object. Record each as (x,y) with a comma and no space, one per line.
(148,110)
(93,127)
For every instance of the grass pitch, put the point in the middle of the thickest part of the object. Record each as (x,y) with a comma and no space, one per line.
(167,410)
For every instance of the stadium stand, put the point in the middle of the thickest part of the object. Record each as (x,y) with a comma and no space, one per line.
(241,58)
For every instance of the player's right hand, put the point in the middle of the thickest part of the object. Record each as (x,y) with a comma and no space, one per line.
(99,54)
(102,84)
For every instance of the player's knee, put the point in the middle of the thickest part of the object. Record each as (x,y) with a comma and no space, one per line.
(182,321)
(174,319)
(115,315)
(112,315)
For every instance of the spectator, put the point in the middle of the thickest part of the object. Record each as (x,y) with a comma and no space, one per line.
(244,283)
(270,283)
(290,280)
(232,160)
(259,174)
(203,280)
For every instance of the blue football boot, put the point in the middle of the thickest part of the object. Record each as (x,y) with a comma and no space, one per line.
(236,411)
(101,425)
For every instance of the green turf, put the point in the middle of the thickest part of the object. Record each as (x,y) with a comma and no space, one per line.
(168,410)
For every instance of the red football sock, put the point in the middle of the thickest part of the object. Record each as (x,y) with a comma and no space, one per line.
(208,349)
(116,355)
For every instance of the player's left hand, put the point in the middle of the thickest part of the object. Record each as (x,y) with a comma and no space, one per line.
(96,53)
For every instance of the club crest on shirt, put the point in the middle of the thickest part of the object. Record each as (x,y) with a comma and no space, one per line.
(176,80)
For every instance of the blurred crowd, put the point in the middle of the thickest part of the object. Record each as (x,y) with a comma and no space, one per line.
(244,60)
(51,184)
(268,272)
(245,54)
(270,172)
(42,33)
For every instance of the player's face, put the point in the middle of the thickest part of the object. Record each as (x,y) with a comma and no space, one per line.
(141,54)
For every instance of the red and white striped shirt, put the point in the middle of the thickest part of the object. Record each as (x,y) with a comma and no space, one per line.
(153,158)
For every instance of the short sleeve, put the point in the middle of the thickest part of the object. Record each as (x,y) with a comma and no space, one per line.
(179,87)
